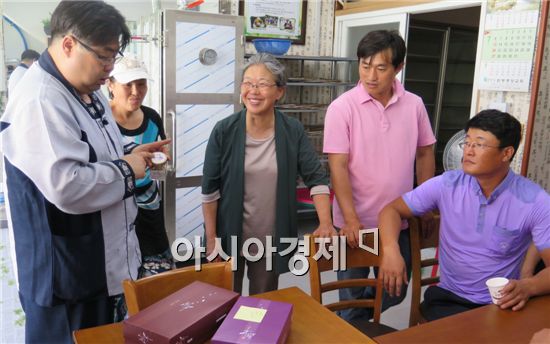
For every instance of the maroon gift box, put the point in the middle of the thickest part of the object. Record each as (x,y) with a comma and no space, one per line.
(190,315)
(270,324)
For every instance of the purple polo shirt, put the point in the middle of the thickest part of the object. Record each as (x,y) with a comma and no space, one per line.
(381,144)
(482,238)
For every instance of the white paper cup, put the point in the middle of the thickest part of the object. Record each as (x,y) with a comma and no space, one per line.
(495,286)
(159,159)
(158,170)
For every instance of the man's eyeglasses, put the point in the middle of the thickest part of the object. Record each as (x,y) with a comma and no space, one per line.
(105,60)
(262,86)
(476,146)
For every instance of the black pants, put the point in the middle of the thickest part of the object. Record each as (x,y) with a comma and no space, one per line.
(539,267)
(151,232)
(56,324)
(439,303)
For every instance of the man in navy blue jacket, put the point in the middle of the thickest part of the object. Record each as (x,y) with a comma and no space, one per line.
(70,179)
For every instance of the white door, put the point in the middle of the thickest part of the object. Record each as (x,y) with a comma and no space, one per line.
(351,28)
(202,56)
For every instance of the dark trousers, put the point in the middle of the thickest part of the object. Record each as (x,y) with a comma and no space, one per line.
(151,232)
(439,303)
(56,324)
(370,292)
(260,280)
(540,266)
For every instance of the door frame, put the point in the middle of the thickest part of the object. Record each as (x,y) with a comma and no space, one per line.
(343,23)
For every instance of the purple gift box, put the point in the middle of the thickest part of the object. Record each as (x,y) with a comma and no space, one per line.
(254,320)
(190,315)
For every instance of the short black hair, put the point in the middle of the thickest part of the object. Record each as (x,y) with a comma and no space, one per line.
(376,41)
(504,126)
(94,22)
(30,54)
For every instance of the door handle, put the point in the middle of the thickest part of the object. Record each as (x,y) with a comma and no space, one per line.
(172,166)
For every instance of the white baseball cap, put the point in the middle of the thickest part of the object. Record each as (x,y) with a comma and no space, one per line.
(128,69)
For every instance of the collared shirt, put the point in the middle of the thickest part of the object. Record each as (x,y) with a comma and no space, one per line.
(381,143)
(483,237)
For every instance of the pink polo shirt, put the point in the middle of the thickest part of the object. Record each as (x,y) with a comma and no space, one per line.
(381,143)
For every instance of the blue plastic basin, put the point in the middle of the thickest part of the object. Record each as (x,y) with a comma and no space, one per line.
(272,46)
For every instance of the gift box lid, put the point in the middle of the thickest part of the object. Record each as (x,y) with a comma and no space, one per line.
(198,307)
(255,320)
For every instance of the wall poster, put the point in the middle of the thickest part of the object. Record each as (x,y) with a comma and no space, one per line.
(285,19)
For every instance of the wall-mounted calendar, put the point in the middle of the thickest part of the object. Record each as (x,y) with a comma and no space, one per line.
(508,46)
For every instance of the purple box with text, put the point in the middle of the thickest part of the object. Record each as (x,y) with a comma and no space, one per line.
(253,320)
(190,315)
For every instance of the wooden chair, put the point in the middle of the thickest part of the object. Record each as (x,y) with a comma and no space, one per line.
(419,242)
(357,257)
(144,292)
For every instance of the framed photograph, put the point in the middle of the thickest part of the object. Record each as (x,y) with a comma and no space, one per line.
(274,19)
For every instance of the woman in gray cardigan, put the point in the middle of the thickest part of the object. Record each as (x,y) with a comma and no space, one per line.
(252,162)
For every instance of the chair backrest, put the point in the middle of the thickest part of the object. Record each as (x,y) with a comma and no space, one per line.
(421,240)
(144,292)
(355,258)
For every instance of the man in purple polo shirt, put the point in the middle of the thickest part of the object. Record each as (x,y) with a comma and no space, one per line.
(373,133)
(489,217)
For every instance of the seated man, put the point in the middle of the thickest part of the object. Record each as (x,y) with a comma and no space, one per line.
(489,217)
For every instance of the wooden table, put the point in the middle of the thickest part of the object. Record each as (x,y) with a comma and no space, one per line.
(487,324)
(311,323)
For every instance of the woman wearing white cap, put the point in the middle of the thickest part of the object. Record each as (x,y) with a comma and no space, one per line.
(140,124)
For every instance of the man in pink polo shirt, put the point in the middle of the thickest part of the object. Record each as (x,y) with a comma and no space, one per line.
(373,133)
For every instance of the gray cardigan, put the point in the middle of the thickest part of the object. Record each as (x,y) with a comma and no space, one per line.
(224,171)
